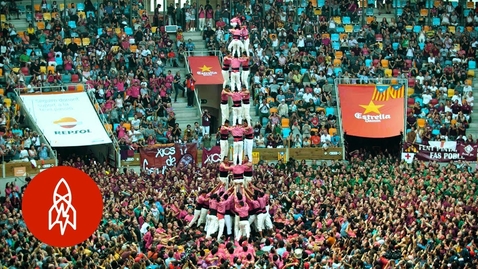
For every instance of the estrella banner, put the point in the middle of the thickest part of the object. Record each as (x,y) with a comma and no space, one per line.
(373,111)
(206,70)
(440,151)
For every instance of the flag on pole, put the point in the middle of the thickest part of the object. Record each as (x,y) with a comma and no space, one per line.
(408,157)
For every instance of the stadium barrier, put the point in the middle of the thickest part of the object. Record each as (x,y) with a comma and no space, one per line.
(22,169)
(273,154)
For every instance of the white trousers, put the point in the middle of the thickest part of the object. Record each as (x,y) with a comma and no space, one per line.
(220,231)
(197,213)
(224,112)
(236,227)
(236,46)
(207,129)
(260,222)
(237,152)
(246,43)
(247,180)
(237,115)
(238,181)
(208,221)
(223,179)
(213,226)
(202,217)
(224,144)
(235,80)
(246,114)
(225,75)
(202,23)
(268,222)
(252,219)
(245,78)
(228,220)
(248,143)
(244,229)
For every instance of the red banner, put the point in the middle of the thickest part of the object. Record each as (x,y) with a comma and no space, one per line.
(373,111)
(211,156)
(159,157)
(206,70)
(440,151)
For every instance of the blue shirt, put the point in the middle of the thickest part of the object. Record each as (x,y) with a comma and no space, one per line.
(43,153)
(190,46)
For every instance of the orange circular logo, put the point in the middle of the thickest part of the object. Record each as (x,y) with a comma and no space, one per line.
(62,206)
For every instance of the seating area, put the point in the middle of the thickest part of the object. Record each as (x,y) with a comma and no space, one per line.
(17,140)
(429,45)
(119,60)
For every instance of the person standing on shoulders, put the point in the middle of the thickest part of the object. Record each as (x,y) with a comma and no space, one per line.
(224,139)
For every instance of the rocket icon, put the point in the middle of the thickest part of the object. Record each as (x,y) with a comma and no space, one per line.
(62,212)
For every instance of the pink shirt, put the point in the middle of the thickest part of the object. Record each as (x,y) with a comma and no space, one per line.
(221,206)
(209,13)
(244,33)
(230,205)
(237,131)
(202,200)
(236,33)
(120,86)
(253,204)
(244,62)
(212,204)
(242,211)
(263,201)
(238,169)
(236,96)
(236,20)
(224,97)
(202,14)
(235,63)
(134,91)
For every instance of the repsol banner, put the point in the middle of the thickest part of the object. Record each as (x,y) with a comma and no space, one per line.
(442,151)
(158,158)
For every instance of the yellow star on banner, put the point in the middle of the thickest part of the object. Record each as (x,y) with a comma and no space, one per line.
(371,107)
(205,68)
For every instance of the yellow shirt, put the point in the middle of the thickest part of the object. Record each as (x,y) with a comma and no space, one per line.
(30,30)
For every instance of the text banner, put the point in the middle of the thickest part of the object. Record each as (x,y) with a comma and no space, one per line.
(211,156)
(66,120)
(373,111)
(441,151)
(157,158)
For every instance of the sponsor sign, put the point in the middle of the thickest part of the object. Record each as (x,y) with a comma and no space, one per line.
(206,70)
(374,111)
(66,120)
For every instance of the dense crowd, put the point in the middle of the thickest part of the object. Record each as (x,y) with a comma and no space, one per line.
(295,60)
(294,56)
(337,215)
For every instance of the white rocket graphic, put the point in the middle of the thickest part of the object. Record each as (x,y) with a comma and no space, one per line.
(62,212)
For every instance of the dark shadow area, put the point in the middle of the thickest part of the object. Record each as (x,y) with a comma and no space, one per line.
(355,145)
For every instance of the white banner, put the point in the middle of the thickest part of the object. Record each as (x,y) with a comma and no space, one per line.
(66,120)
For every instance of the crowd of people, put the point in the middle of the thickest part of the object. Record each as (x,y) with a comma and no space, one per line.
(235,214)
(295,59)
(318,215)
